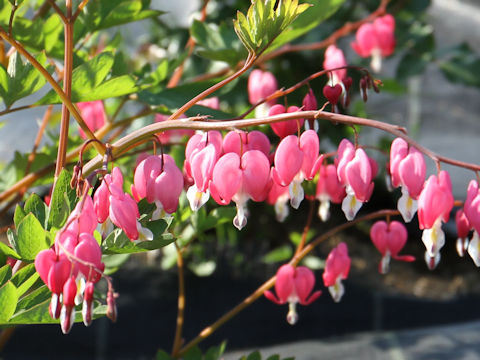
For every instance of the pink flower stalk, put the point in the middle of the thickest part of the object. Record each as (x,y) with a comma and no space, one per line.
(172,136)
(310,103)
(93,113)
(463,229)
(54,270)
(67,314)
(337,268)
(472,212)
(278,196)
(293,285)
(389,239)
(334,58)
(288,127)
(408,169)
(213,103)
(241,141)
(356,171)
(434,205)
(201,155)
(329,189)
(159,180)
(376,39)
(297,160)
(240,179)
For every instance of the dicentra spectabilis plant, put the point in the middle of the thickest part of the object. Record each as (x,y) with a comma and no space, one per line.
(164,128)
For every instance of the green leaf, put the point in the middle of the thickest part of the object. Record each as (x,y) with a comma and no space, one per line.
(113,262)
(126,12)
(193,354)
(162,355)
(62,201)
(5,274)
(8,301)
(7,250)
(309,19)
(31,238)
(274,357)
(254,356)
(118,243)
(25,278)
(279,254)
(39,314)
(37,207)
(23,79)
(463,67)
(18,215)
(33,298)
(215,352)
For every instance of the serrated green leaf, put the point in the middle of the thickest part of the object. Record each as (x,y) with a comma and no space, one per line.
(5,274)
(31,238)
(37,207)
(18,215)
(8,301)
(25,278)
(62,201)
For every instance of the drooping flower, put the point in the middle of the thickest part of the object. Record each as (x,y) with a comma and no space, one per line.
(337,268)
(463,228)
(212,102)
(67,314)
(333,94)
(389,239)
(159,180)
(261,84)
(434,205)
(472,212)
(376,40)
(297,160)
(201,155)
(334,58)
(329,189)
(278,196)
(240,142)
(355,171)
(93,113)
(408,169)
(309,102)
(287,127)
(293,285)
(240,179)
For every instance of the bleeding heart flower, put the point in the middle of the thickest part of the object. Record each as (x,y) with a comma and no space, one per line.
(334,58)
(293,285)
(389,239)
(337,268)
(213,103)
(310,103)
(261,84)
(434,205)
(376,39)
(333,94)
(472,212)
(408,169)
(288,127)
(93,113)
(278,197)
(329,189)
(463,229)
(67,314)
(241,179)
(175,135)
(240,142)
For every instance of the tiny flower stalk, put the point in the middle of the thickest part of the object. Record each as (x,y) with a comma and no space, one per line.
(293,285)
